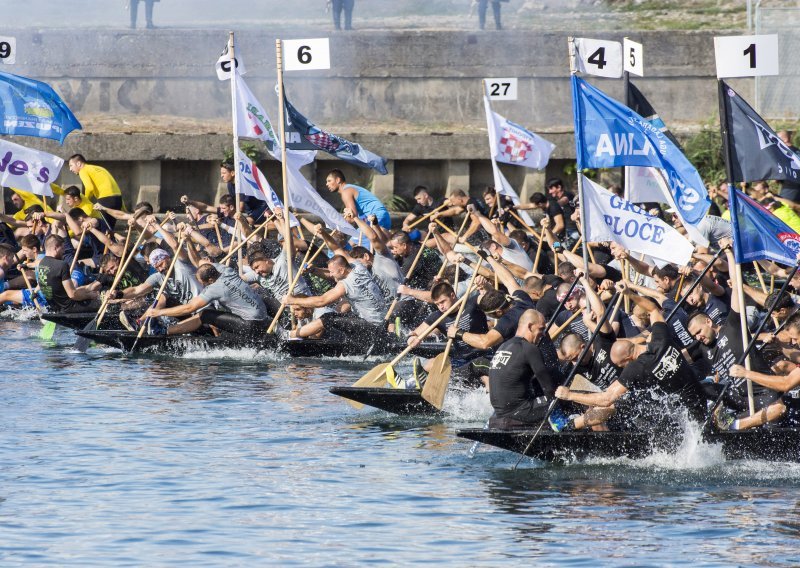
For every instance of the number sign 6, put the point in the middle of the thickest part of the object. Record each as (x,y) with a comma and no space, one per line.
(303,54)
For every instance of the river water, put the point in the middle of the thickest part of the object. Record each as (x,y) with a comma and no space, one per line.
(242,459)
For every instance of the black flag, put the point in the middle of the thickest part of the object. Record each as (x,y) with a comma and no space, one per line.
(756,153)
(637,102)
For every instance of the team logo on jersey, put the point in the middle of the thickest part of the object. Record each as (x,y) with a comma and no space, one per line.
(501,358)
(668,364)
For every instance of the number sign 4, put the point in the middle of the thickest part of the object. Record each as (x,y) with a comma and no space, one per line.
(501,89)
(746,56)
(599,57)
(303,54)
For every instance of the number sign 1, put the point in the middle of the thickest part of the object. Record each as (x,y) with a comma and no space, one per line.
(746,56)
(302,54)
(8,50)
(632,60)
(599,57)
(504,89)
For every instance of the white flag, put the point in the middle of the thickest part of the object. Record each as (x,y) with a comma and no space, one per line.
(515,145)
(27,169)
(611,218)
(504,188)
(252,120)
(252,182)
(223,65)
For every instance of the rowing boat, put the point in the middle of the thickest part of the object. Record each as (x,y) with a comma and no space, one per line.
(396,401)
(77,320)
(181,344)
(770,444)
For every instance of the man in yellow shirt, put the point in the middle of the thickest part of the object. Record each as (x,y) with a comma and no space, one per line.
(784,213)
(99,186)
(23,200)
(74,198)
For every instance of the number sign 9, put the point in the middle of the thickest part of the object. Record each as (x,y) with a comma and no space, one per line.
(303,54)
(502,89)
(599,57)
(746,56)
(8,50)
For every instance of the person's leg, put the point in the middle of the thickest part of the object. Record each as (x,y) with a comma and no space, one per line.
(336,10)
(114,202)
(15,297)
(348,14)
(134,10)
(482,6)
(148,12)
(186,326)
(496,10)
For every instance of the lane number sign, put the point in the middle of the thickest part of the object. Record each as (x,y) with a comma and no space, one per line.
(305,54)
(8,50)
(501,89)
(632,60)
(599,57)
(746,56)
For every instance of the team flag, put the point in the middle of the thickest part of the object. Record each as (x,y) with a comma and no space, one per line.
(27,169)
(610,218)
(223,65)
(252,120)
(639,104)
(253,183)
(609,134)
(758,234)
(756,151)
(33,108)
(513,144)
(302,134)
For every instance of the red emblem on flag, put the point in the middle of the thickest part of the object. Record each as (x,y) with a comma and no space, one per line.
(516,149)
(323,141)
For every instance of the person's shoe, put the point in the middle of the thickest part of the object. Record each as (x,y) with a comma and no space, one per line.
(154,327)
(723,420)
(128,323)
(558,420)
(420,374)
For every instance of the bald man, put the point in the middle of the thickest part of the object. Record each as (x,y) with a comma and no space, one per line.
(650,372)
(520,386)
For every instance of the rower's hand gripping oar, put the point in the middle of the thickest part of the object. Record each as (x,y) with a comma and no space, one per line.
(426,216)
(435,386)
(77,252)
(750,345)
(82,343)
(694,285)
(409,275)
(244,241)
(161,289)
(609,309)
(379,374)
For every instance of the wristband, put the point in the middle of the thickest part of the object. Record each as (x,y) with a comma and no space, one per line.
(460,335)
(467,261)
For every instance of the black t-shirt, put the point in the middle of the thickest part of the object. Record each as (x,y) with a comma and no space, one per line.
(515,366)
(7,236)
(576,326)
(473,320)
(717,309)
(422,210)
(51,273)
(662,366)
(600,370)
(547,304)
(554,210)
(678,322)
(507,324)
(427,267)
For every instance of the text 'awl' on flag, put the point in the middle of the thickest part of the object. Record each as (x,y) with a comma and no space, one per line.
(608,134)
(302,134)
(756,151)
(758,234)
(32,108)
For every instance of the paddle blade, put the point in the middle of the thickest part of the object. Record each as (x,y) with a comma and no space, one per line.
(376,377)
(438,379)
(580,383)
(47,331)
(82,343)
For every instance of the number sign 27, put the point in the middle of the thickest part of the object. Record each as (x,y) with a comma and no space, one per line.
(304,54)
(501,89)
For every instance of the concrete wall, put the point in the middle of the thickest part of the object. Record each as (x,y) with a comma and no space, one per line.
(414,97)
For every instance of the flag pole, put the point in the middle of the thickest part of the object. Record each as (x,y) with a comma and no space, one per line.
(581,201)
(726,148)
(282,118)
(236,177)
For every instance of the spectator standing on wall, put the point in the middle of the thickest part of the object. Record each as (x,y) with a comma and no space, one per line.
(338,7)
(482,6)
(148,12)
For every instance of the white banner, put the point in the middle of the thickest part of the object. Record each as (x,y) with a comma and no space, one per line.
(27,169)
(610,218)
(252,182)
(645,185)
(223,65)
(252,120)
(516,145)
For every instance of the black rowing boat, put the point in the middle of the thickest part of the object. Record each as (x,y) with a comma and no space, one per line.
(77,320)
(770,444)
(396,401)
(181,344)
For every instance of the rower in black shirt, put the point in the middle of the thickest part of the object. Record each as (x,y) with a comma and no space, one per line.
(56,284)
(649,372)
(520,384)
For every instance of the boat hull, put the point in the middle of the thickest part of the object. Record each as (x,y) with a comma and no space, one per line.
(396,401)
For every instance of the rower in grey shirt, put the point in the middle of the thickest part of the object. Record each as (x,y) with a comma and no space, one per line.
(364,294)
(388,274)
(182,285)
(233,294)
(275,278)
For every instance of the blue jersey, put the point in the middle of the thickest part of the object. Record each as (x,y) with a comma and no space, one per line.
(367,204)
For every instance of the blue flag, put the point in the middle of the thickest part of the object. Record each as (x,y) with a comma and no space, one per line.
(758,234)
(302,134)
(608,134)
(32,108)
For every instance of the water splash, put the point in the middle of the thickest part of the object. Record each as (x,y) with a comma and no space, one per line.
(467,405)
(19,314)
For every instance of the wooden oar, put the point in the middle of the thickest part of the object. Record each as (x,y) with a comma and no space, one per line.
(680,287)
(409,275)
(233,243)
(452,232)
(378,374)
(528,229)
(435,387)
(246,239)
(421,219)
(760,277)
(161,289)
(556,332)
(219,235)
(296,279)
(538,255)
(77,251)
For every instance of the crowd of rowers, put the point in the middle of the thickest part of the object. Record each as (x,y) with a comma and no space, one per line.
(528,313)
